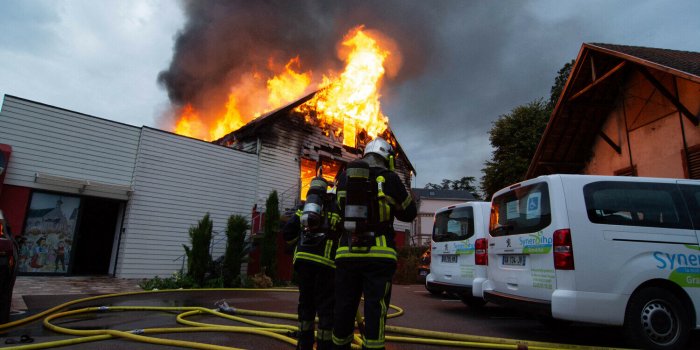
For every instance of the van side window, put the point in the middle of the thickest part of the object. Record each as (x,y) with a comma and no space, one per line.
(635,204)
(691,194)
(522,210)
(454,224)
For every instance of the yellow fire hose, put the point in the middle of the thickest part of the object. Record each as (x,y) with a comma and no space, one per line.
(280,332)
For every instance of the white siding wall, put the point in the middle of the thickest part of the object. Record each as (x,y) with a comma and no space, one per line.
(66,144)
(279,170)
(176,181)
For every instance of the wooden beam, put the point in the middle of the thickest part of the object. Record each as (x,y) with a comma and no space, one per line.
(610,142)
(598,81)
(662,89)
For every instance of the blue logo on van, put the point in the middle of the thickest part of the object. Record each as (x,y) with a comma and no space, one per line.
(536,244)
(685,268)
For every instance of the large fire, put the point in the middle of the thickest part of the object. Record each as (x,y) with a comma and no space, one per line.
(350,99)
(353,99)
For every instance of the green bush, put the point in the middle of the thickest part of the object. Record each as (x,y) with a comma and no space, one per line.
(268,252)
(235,244)
(198,257)
(176,281)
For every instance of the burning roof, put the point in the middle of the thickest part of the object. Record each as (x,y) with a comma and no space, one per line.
(323,129)
(331,141)
(346,104)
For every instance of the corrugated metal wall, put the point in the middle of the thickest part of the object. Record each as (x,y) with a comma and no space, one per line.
(57,142)
(176,182)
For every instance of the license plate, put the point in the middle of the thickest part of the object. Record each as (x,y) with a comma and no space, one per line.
(514,260)
(449,258)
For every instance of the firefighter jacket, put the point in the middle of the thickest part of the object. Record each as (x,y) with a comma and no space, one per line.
(391,201)
(323,252)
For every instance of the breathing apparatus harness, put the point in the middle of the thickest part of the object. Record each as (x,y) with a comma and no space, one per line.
(366,207)
(316,221)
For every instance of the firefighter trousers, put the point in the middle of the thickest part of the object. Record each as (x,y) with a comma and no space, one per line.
(354,278)
(315,298)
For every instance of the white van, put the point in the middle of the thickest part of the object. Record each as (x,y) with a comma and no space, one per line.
(456,230)
(601,249)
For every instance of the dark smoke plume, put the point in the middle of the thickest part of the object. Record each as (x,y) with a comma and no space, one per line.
(222,40)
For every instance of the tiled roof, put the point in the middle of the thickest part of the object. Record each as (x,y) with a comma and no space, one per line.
(684,61)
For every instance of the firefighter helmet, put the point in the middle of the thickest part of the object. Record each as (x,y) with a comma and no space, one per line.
(381,147)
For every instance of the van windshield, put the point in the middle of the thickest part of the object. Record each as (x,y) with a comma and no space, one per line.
(453,224)
(521,210)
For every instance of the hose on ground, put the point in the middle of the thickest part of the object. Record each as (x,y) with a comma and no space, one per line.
(225,313)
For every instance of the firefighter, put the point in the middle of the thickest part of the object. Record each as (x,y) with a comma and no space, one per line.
(370,195)
(312,230)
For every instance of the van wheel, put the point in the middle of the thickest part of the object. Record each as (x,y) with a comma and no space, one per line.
(473,302)
(656,319)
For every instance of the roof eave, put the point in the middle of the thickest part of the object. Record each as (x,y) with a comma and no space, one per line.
(644,62)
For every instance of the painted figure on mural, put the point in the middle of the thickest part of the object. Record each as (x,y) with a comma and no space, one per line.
(38,259)
(60,252)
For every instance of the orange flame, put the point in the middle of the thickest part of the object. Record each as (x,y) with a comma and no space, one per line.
(289,85)
(350,100)
(189,123)
(353,99)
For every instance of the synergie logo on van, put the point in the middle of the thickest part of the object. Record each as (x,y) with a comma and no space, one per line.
(536,244)
(685,268)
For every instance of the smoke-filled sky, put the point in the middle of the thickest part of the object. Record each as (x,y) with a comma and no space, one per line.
(464,63)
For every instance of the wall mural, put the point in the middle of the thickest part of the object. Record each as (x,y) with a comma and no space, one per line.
(47,239)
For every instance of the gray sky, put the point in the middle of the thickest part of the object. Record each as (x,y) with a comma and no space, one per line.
(464,62)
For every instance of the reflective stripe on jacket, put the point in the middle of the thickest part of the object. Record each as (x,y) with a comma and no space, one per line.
(380,250)
(325,259)
(323,253)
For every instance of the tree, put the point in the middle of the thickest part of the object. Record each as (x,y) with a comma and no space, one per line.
(268,263)
(514,138)
(559,83)
(235,246)
(198,257)
(463,184)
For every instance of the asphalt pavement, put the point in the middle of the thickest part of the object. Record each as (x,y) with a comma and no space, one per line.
(421,311)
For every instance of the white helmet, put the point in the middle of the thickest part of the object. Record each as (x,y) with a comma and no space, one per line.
(380,147)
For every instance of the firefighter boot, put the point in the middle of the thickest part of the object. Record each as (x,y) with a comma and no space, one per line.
(306,336)
(324,339)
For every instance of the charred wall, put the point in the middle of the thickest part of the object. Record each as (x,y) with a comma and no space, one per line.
(281,140)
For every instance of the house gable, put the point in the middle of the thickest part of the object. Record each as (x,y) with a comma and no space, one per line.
(623,108)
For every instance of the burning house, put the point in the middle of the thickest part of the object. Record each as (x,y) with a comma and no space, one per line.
(134,192)
(291,148)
